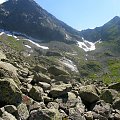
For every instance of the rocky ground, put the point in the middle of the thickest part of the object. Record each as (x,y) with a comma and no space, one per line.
(51,93)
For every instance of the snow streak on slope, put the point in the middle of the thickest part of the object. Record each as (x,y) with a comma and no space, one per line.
(86,45)
(68,63)
(38,45)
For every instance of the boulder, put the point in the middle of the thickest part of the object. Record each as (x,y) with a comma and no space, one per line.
(39,77)
(70,101)
(116,104)
(9,92)
(75,114)
(115,86)
(57,71)
(65,78)
(2,55)
(45,114)
(88,93)
(36,93)
(44,85)
(102,108)
(10,70)
(59,90)
(8,116)
(10,109)
(108,95)
(39,68)
(23,111)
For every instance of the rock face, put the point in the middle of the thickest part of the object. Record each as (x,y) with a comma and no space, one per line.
(34,21)
(9,92)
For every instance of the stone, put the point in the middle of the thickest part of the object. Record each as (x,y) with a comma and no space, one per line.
(23,111)
(116,104)
(108,95)
(36,93)
(59,90)
(65,78)
(115,86)
(53,105)
(2,55)
(75,114)
(9,92)
(89,115)
(44,85)
(8,116)
(44,114)
(10,108)
(88,93)
(97,116)
(39,77)
(103,109)
(57,71)
(39,68)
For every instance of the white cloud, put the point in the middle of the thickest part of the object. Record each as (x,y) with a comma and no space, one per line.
(2,1)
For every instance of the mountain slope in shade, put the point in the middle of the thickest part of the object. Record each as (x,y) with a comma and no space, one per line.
(26,16)
(109,31)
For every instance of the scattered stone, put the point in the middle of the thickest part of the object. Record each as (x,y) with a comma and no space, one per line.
(39,68)
(57,71)
(23,111)
(59,90)
(115,86)
(36,93)
(10,109)
(108,95)
(116,104)
(39,77)
(44,85)
(8,116)
(9,92)
(88,93)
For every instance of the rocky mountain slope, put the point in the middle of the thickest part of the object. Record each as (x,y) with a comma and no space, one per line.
(27,17)
(54,82)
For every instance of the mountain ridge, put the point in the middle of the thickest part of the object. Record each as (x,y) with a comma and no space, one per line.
(29,18)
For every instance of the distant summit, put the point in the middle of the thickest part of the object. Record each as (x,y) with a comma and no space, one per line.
(27,17)
(109,31)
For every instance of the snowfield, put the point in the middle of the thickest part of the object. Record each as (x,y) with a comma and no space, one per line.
(86,45)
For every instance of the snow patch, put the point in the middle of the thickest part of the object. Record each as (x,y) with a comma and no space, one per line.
(1,33)
(68,63)
(86,45)
(27,46)
(40,46)
(2,1)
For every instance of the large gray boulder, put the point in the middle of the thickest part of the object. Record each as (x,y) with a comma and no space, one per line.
(9,92)
(108,95)
(116,104)
(36,93)
(57,71)
(39,77)
(58,90)
(45,114)
(23,112)
(88,93)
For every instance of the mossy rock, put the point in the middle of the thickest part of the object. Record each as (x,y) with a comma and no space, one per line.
(9,92)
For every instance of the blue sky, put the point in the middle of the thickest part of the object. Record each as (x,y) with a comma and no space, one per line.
(82,14)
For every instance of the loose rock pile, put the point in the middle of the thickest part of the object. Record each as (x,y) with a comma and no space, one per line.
(40,93)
